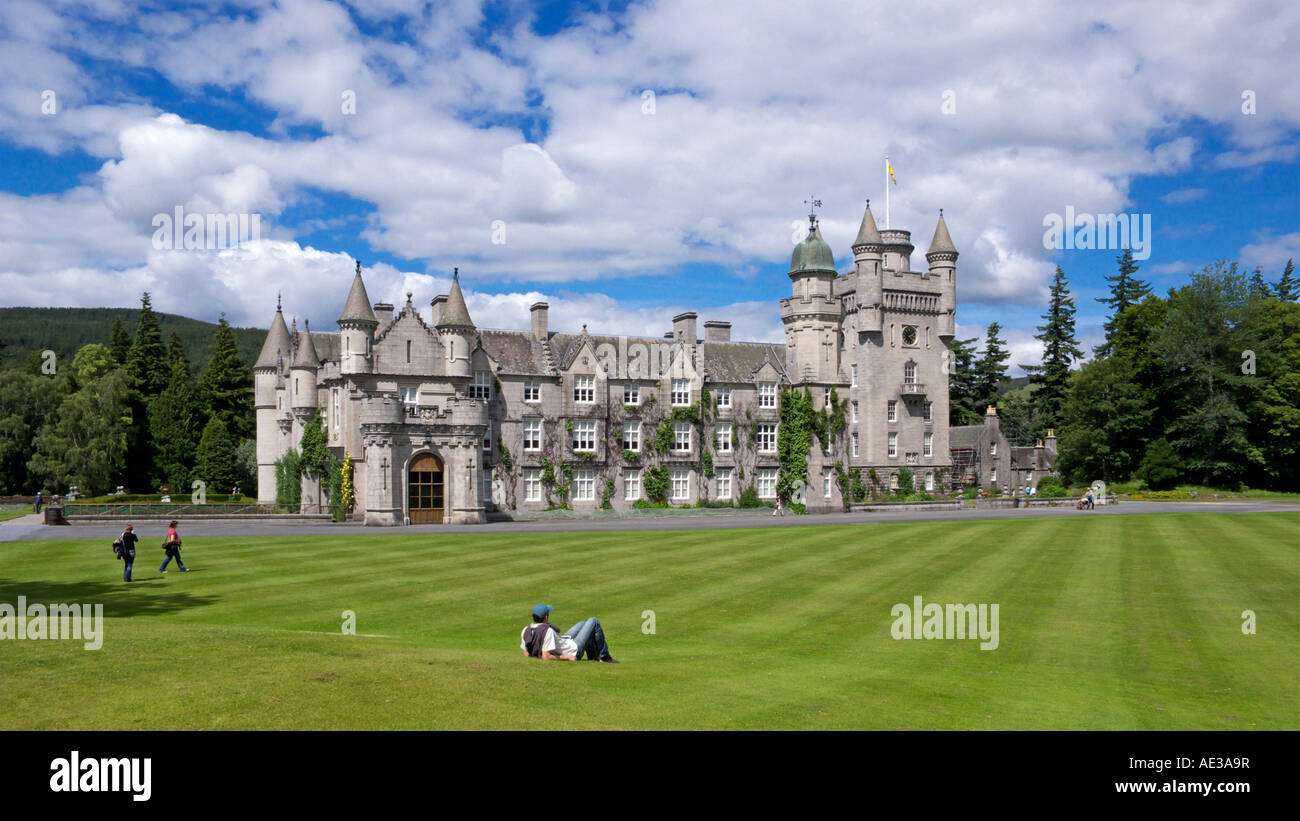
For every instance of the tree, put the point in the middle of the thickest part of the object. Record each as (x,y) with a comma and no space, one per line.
(85,443)
(119,342)
(990,370)
(1103,421)
(26,401)
(1287,288)
(146,361)
(1125,290)
(961,383)
(215,462)
(1060,350)
(175,424)
(1258,287)
(226,384)
(1273,394)
(92,361)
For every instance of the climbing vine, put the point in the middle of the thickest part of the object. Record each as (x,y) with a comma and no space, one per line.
(794,438)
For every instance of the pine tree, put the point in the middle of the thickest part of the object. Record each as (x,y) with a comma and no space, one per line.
(146,361)
(1287,288)
(990,369)
(119,342)
(961,383)
(215,461)
(226,385)
(1258,287)
(1060,350)
(174,422)
(1125,290)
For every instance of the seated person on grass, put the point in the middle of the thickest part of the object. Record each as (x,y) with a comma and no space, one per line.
(541,640)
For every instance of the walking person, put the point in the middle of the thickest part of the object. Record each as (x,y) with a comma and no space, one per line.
(36,508)
(127,541)
(172,547)
(778,510)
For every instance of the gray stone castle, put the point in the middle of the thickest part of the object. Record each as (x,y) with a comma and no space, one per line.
(445,421)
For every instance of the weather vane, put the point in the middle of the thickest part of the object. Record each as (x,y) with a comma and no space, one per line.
(813,203)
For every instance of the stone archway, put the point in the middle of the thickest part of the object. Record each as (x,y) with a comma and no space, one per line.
(426,489)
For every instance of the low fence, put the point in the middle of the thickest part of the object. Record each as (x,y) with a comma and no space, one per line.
(984,503)
(101,511)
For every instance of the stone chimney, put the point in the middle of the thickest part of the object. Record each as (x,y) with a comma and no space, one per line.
(717,331)
(540,312)
(684,326)
(384,313)
(1050,441)
(439,302)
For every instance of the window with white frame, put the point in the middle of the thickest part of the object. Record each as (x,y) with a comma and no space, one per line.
(766,438)
(893,446)
(482,387)
(928,412)
(993,448)
(681,435)
(722,479)
(336,408)
(855,410)
(532,391)
(487,484)
(632,436)
(993,475)
(855,444)
(681,485)
(767,394)
(681,393)
(927,445)
(410,395)
(584,389)
(532,434)
(632,485)
(909,373)
(929,481)
(828,478)
(722,437)
(584,435)
(532,485)
(632,395)
(765,484)
(892,407)
(722,397)
(853,369)
(584,485)
(487,436)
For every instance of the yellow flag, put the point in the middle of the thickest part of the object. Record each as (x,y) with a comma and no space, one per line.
(890,168)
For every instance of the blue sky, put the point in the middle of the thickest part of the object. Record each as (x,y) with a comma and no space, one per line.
(638,159)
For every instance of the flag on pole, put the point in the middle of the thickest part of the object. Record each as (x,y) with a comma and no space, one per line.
(890,168)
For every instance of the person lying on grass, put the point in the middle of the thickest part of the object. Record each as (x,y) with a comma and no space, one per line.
(541,640)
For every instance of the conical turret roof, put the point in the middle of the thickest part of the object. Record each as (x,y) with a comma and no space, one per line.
(306,356)
(454,312)
(813,254)
(357,308)
(942,242)
(277,343)
(868,234)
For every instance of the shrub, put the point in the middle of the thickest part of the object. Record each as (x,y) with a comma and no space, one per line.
(1051,487)
(749,498)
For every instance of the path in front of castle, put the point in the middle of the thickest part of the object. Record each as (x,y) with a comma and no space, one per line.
(26,528)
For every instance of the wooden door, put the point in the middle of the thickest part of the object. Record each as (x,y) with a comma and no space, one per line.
(424,490)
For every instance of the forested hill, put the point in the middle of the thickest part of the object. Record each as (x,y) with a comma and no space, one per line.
(64,330)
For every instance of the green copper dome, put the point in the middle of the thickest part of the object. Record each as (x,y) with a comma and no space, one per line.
(813,254)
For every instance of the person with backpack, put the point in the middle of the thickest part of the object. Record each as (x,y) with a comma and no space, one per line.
(124,548)
(172,547)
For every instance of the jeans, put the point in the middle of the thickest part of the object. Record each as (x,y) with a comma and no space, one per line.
(128,559)
(590,638)
(174,554)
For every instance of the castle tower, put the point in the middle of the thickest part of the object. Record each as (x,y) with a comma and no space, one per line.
(868,258)
(812,316)
(357,328)
(456,330)
(302,375)
(942,257)
(268,372)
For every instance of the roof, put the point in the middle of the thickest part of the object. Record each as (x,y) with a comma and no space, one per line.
(516,352)
(965,436)
(942,242)
(868,234)
(306,355)
(277,343)
(813,254)
(737,361)
(454,313)
(357,308)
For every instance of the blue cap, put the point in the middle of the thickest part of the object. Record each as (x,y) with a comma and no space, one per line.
(540,610)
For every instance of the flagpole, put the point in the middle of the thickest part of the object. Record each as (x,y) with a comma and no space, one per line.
(886,192)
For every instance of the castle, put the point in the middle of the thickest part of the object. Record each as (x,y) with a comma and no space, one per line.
(445,421)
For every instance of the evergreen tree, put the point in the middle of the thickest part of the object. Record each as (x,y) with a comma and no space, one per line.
(1103,422)
(226,385)
(990,369)
(146,361)
(1258,287)
(1060,350)
(961,383)
(1287,288)
(174,422)
(85,442)
(119,342)
(215,462)
(1125,290)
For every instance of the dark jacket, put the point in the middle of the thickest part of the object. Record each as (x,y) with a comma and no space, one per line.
(535,638)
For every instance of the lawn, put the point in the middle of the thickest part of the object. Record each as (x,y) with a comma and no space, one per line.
(6,515)
(1116,622)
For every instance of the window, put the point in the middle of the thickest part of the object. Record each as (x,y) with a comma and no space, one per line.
(584,485)
(632,436)
(929,482)
(336,408)
(893,410)
(828,477)
(893,446)
(723,484)
(993,448)
(855,410)
(681,393)
(279,402)
(532,485)
(532,391)
(909,335)
(532,434)
(487,484)
(408,351)
(767,394)
(909,373)
(722,438)
(854,371)
(632,395)
(482,387)
(632,485)
(765,484)
(487,436)
(723,397)
(927,412)
(855,444)
(927,445)
(584,435)
(766,438)
(993,475)
(681,485)
(584,389)
(410,395)
(681,435)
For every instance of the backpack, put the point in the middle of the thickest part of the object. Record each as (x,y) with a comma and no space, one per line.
(119,549)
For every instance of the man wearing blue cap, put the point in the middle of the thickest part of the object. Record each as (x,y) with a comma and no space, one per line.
(541,640)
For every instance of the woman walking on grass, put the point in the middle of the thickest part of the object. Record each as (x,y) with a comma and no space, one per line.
(172,547)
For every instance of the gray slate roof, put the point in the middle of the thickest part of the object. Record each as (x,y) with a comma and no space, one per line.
(357,308)
(942,242)
(454,313)
(868,234)
(515,352)
(277,343)
(965,436)
(306,354)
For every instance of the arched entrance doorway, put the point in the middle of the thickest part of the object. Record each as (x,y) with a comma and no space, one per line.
(424,490)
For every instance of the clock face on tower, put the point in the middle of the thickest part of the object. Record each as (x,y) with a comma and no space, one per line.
(909,334)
